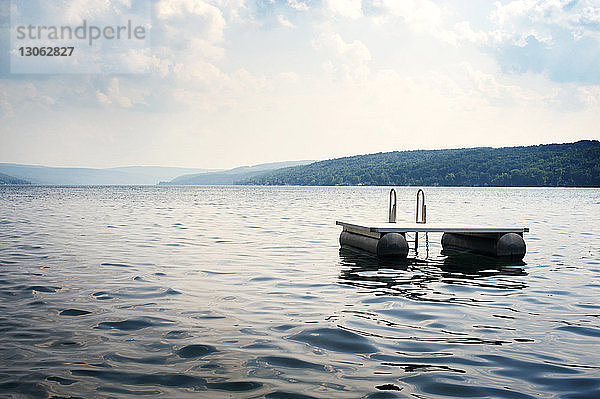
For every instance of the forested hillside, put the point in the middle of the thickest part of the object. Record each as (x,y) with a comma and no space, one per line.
(10,180)
(554,165)
(231,176)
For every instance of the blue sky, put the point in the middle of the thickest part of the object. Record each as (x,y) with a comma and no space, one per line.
(235,82)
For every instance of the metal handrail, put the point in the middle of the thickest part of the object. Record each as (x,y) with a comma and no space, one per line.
(392,211)
(422,207)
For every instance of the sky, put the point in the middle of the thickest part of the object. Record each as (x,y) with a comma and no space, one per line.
(242,82)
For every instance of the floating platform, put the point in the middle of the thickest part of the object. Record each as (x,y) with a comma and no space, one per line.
(389,239)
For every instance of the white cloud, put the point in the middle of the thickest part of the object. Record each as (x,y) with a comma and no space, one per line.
(225,71)
(346,8)
(73,12)
(77,10)
(199,73)
(204,49)
(350,60)
(15,95)
(113,94)
(504,13)
(419,15)
(464,32)
(519,19)
(32,93)
(489,88)
(354,52)
(189,45)
(283,21)
(298,5)
(161,66)
(589,96)
(6,109)
(208,89)
(190,16)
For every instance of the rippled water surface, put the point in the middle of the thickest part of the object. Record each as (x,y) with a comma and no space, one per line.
(244,292)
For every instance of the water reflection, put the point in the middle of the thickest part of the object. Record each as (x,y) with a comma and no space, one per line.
(416,278)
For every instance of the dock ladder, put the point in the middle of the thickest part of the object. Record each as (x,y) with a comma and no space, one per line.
(421,218)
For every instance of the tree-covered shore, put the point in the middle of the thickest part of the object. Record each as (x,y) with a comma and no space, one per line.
(552,165)
(6,180)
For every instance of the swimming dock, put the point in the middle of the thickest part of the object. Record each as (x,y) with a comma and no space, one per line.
(390,239)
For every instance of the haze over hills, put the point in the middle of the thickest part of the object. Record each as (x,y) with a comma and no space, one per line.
(232,176)
(130,175)
(160,172)
(553,165)
(10,180)
(133,175)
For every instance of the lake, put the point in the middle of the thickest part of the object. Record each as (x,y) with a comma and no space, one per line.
(244,292)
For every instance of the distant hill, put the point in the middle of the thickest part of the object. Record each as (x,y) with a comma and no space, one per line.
(231,176)
(159,173)
(554,165)
(7,180)
(130,175)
